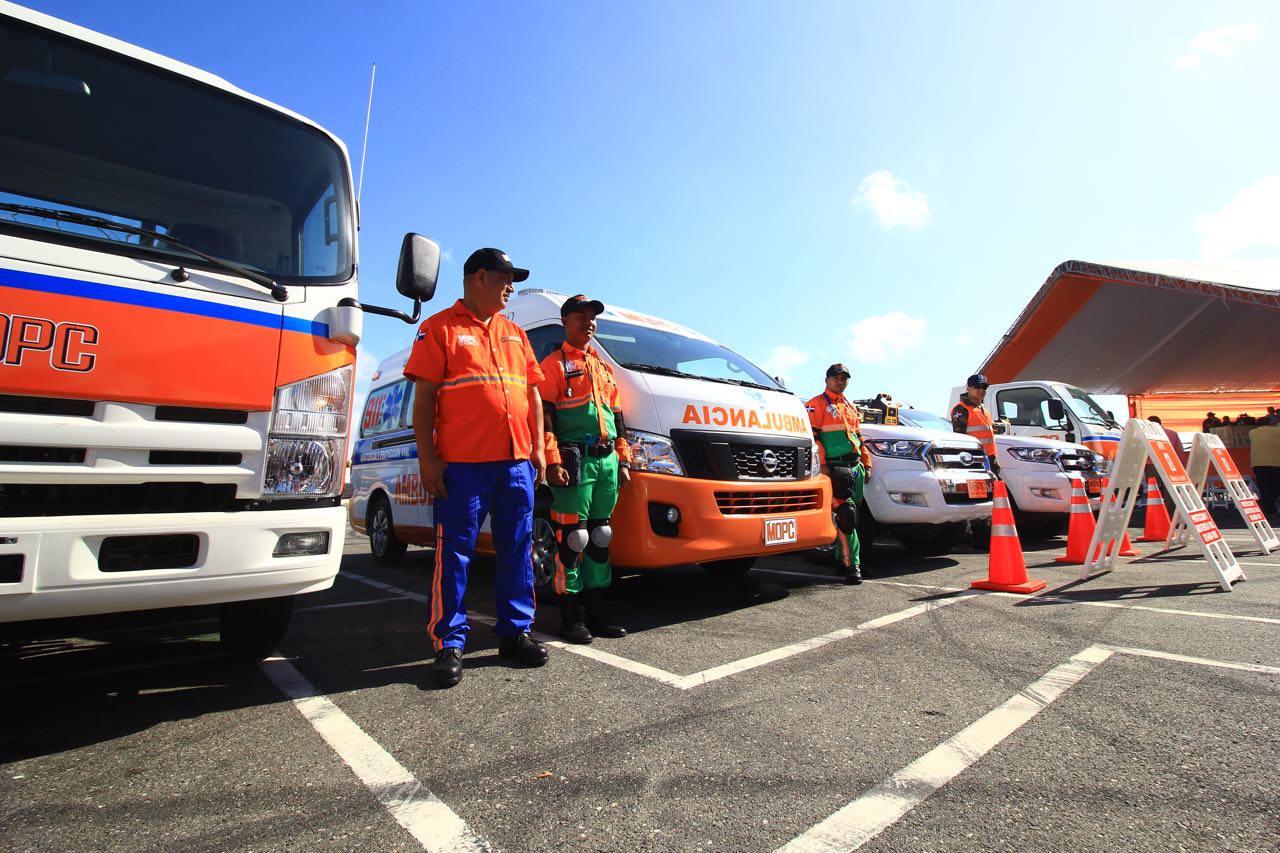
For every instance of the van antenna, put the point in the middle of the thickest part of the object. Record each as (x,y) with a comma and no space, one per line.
(364,148)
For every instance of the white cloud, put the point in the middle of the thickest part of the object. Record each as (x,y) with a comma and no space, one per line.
(877,339)
(1252,218)
(1219,43)
(783,360)
(892,201)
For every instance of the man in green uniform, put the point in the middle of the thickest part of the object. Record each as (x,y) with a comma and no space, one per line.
(845,460)
(587,461)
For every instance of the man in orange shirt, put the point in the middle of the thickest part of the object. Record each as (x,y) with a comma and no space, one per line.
(845,459)
(478,422)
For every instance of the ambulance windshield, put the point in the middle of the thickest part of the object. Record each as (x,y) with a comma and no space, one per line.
(110,137)
(1085,408)
(652,350)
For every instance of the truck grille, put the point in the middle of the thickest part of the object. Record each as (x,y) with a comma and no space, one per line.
(767,503)
(79,457)
(954,458)
(729,456)
(1073,462)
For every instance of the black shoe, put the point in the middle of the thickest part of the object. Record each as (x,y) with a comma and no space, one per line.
(524,649)
(448,667)
(853,576)
(598,615)
(571,627)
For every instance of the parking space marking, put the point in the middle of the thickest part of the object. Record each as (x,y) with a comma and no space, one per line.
(1203,614)
(430,821)
(715,673)
(883,805)
(886,803)
(342,604)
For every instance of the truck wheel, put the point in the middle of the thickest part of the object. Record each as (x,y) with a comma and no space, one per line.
(386,547)
(252,629)
(933,540)
(980,534)
(737,567)
(544,553)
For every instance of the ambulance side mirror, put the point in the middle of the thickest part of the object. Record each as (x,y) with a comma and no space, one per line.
(419,267)
(1057,412)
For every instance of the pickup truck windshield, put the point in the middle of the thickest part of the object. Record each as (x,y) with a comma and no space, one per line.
(104,135)
(650,350)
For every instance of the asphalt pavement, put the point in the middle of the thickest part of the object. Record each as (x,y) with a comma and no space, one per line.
(1136,709)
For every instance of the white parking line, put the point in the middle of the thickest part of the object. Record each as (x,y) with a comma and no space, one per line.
(1202,614)
(431,822)
(882,806)
(697,679)
(343,604)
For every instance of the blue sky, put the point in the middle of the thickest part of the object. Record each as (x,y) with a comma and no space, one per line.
(880,184)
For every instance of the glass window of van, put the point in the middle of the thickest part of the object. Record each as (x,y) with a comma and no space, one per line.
(545,339)
(651,350)
(1026,407)
(384,410)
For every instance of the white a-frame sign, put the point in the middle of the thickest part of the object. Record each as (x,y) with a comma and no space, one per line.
(1145,440)
(1209,450)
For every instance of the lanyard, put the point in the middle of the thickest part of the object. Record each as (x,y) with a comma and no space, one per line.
(848,431)
(597,394)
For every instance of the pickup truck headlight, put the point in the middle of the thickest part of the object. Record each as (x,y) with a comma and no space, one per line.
(306,447)
(898,449)
(656,453)
(1043,455)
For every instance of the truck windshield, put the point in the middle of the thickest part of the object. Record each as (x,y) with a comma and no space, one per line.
(1084,406)
(96,133)
(924,420)
(651,350)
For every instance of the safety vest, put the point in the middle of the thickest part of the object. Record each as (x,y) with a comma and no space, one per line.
(979,426)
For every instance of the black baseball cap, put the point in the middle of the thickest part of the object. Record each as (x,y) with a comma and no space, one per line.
(578,302)
(495,260)
(977,380)
(838,370)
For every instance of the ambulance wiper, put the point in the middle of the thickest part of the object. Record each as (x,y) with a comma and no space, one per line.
(664,371)
(278,291)
(744,383)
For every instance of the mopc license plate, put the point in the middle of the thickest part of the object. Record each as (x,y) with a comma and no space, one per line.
(977,488)
(779,531)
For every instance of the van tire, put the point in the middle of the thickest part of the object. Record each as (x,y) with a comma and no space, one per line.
(734,568)
(250,630)
(386,546)
(933,540)
(544,552)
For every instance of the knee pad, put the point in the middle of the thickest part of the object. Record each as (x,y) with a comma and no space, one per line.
(601,536)
(575,539)
(846,518)
(841,482)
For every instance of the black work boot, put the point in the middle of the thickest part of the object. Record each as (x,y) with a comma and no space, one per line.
(598,615)
(852,574)
(447,669)
(523,649)
(571,628)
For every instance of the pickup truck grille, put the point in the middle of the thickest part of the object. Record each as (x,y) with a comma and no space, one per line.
(79,457)
(957,458)
(732,456)
(1072,461)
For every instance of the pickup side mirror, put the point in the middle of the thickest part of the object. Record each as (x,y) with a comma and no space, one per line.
(1057,412)
(419,267)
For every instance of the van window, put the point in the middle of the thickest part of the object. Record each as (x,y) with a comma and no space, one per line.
(645,348)
(1026,407)
(545,339)
(384,410)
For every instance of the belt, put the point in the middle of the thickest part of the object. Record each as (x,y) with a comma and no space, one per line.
(596,450)
(844,460)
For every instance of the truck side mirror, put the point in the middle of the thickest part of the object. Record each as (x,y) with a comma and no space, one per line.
(1057,412)
(419,267)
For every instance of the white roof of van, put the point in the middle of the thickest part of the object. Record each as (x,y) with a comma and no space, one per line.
(555,299)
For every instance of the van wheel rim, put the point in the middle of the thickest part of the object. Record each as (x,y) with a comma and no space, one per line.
(544,550)
(378,534)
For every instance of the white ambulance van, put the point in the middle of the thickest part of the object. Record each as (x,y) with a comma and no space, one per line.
(724,470)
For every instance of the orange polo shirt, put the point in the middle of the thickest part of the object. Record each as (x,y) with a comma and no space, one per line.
(484,371)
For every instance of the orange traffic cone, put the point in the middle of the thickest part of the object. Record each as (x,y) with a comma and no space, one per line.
(1156,527)
(1126,547)
(1080,530)
(1006,570)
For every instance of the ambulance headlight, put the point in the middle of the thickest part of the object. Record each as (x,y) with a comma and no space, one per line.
(656,453)
(815,460)
(306,447)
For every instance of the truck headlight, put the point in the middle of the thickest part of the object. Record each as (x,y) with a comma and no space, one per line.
(897,449)
(654,453)
(1043,455)
(306,446)
(815,460)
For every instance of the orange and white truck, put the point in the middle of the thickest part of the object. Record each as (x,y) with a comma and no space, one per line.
(178,320)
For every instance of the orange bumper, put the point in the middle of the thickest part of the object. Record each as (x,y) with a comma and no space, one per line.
(719,520)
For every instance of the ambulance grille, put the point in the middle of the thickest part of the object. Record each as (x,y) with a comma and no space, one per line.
(57,455)
(46,406)
(767,503)
(730,456)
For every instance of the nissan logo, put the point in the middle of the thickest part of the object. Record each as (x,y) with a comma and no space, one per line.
(966,458)
(769,461)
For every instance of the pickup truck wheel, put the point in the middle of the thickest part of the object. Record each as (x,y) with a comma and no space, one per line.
(933,540)
(980,535)
(250,630)
(386,546)
(737,567)
(544,553)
